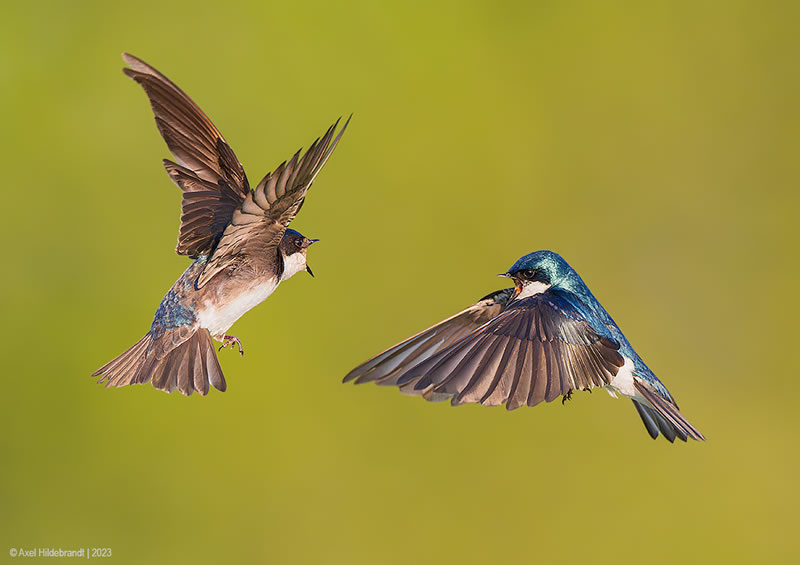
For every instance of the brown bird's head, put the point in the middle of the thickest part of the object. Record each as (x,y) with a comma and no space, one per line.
(293,249)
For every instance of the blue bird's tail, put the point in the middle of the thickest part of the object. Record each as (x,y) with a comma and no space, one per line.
(661,415)
(182,359)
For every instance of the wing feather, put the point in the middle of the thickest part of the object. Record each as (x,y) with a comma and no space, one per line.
(520,386)
(481,382)
(386,367)
(259,222)
(537,349)
(207,171)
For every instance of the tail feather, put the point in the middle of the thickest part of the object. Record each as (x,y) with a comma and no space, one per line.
(655,423)
(185,372)
(121,370)
(200,374)
(213,370)
(175,360)
(664,416)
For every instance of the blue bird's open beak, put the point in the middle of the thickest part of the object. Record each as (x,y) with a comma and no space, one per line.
(517,283)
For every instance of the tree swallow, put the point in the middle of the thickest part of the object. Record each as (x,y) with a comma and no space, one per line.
(546,337)
(238,237)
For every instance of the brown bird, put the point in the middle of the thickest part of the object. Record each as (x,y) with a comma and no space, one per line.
(238,237)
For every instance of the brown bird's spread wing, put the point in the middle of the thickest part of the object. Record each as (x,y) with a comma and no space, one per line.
(385,368)
(259,223)
(537,349)
(209,174)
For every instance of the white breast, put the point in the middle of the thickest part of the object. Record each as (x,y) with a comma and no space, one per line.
(293,264)
(531,288)
(218,318)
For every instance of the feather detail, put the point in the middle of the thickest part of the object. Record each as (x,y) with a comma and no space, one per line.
(169,361)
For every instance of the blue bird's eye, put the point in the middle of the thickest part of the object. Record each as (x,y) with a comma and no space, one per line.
(528,274)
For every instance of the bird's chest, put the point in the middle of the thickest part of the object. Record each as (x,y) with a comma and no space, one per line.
(220,311)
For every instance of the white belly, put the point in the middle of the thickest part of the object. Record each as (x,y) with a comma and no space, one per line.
(219,318)
(622,382)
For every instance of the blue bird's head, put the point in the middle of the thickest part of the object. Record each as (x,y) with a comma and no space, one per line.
(536,272)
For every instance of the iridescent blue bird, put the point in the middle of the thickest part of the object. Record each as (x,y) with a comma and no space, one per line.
(543,339)
(238,237)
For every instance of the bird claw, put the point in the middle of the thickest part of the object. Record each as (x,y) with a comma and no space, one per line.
(229,340)
(566,397)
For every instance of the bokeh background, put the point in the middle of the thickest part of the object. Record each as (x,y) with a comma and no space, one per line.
(654,145)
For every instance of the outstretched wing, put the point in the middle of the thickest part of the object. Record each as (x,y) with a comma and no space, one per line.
(538,348)
(385,368)
(207,171)
(259,223)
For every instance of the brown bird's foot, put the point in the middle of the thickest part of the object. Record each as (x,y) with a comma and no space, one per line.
(229,340)
(566,397)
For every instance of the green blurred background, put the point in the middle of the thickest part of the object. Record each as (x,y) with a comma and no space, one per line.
(654,145)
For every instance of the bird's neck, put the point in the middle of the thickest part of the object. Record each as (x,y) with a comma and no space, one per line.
(292,265)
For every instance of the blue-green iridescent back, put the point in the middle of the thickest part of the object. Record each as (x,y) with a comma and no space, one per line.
(569,286)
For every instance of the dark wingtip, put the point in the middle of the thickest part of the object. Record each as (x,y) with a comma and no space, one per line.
(335,142)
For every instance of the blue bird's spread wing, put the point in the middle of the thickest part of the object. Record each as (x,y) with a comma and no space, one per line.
(538,349)
(386,367)
(212,179)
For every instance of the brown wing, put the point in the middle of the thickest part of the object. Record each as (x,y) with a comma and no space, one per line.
(259,223)
(385,368)
(209,174)
(537,349)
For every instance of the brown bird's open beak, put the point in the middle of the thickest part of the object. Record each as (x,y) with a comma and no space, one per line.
(308,244)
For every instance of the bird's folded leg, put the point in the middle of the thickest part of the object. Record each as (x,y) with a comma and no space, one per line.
(230,339)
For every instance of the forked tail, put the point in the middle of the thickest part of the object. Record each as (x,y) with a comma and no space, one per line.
(189,364)
(663,416)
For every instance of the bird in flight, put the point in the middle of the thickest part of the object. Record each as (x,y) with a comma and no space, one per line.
(238,237)
(543,339)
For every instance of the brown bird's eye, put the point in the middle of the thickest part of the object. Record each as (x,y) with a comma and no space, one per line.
(298,243)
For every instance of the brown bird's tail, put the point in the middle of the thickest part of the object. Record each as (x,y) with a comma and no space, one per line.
(175,359)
